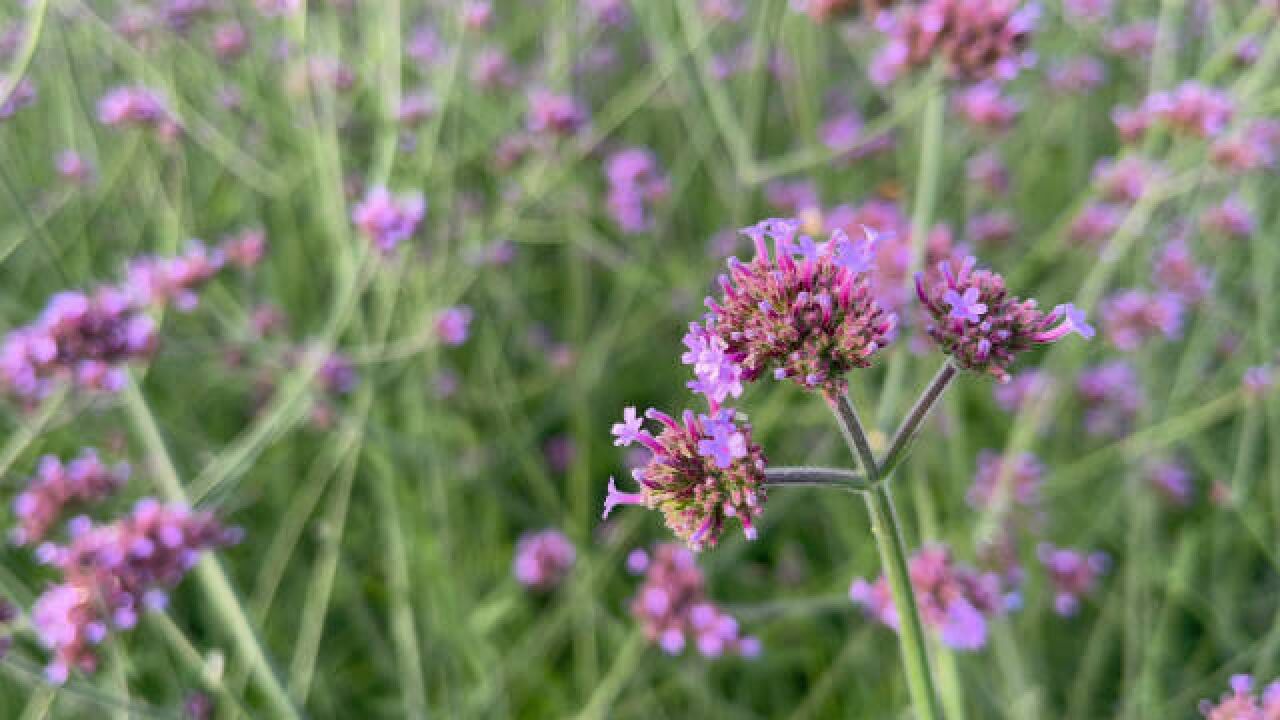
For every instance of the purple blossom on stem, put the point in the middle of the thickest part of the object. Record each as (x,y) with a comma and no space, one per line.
(812,321)
(990,340)
(55,486)
(388,220)
(1074,575)
(702,470)
(674,611)
(543,559)
(453,325)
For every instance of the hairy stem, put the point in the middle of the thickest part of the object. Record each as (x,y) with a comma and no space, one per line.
(919,412)
(887,531)
(815,477)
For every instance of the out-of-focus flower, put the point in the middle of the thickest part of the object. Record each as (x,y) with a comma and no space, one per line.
(1096,223)
(1112,395)
(386,219)
(111,573)
(138,107)
(1127,179)
(1174,269)
(1088,10)
(1025,385)
(726,11)
(1255,148)
(1172,480)
(1135,40)
(1242,704)
(703,469)
(230,41)
(555,113)
(453,325)
(1131,317)
(22,95)
(998,482)
(73,168)
(1077,75)
(955,600)
(988,171)
(278,8)
(476,14)
(978,39)
(608,13)
(673,609)
(1074,575)
(416,108)
(985,106)
(55,486)
(996,227)
(337,375)
(543,559)
(246,248)
(1231,218)
(491,68)
(636,182)
(173,280)
(1258,380)
(981,326)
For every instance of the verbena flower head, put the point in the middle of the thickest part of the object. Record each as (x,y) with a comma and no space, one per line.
(1132,317)
(636,182)
(55,486)
(674,611)
(453,325)
(985,106)
(1015,482)
(1172,480)
(174,280)
(556,114)
(1127,179)
(137,106)
(1077,75)
(806,313)
(984,328)
(1025,385)
(72,167)
(386,219)
(1231,218)
(704,470)
(22,95)
(111,573)
(1073,574)
(1135,40)
(543,559)
(1240,703)
(977,39)
(1112,395)
(955,600)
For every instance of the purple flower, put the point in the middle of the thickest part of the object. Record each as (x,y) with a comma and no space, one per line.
(55,486)
(22,95)
(543,559)
(556,114)
(627,431)
(812,321)
(703,469)
(673,609)
(1074,575)
(388,220)
(717,375)
(636,183)
(453,325)
(977,39)
(980,325)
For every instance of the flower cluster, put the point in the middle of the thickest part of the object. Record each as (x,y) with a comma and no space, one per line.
(556,114)
(1074,575)
(1112,396)
(88,338)
(955,600)
(981,326)
(453,325)
(56,485)
(136,106)
(807,313)
(1077,75)
(1230,219)
(1131,317)
(635,183)
(112,572)
(386,220)
(543,559)
(22,95)
(1242,704)
(1172,480)
(978,39)
(672,607)
(985,106)
(1190,109)
(997,482)
(1256,147)
(703,470)
(1127,179)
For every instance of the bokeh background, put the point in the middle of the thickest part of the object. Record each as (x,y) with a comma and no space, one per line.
(384,426)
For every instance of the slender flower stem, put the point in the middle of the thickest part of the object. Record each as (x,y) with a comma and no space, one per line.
(919,412)
(887,532)
(815,477)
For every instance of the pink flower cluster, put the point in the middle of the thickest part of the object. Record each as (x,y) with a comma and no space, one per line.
(955,600)
(1242,704)
(137,106)
(1112,395)
(163,281)
(1077,75)
(1074,575)
(636,182)
(386,220)
(996,482)
(555,113)
(22,95)
(55,486)
(985,106)
(1131,317)
(453,325)
(1256,147)
(807,313)
(1172,480)
(978,39)
(112,572)
(1190,109)
(1230,218)
(672,607)
(702,470)
(981,326)
(543,559)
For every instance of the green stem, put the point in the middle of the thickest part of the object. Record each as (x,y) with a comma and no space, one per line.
(210,573)
(887,531)
(919,413)
(815,477)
